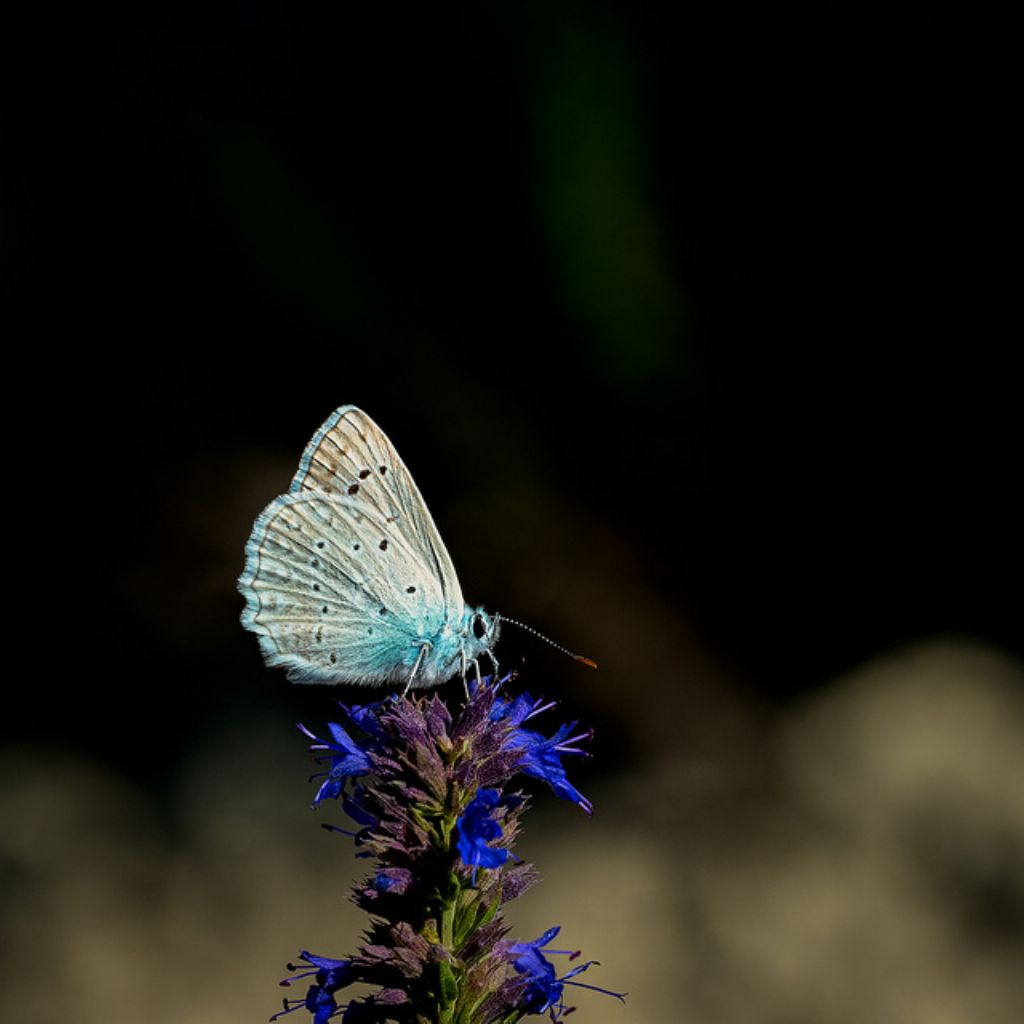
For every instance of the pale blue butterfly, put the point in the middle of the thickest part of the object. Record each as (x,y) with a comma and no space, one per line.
(346,577)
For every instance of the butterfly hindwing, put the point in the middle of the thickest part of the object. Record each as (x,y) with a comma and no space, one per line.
(336,589)
(350,456)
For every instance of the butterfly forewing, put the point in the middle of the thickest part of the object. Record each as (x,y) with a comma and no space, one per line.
(336,590)
(350,456)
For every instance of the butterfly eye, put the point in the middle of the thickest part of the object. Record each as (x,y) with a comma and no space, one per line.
(479,627)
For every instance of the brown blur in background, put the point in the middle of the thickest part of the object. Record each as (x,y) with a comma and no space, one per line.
(692,332)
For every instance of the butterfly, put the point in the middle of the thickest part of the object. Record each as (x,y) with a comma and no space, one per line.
(346,578)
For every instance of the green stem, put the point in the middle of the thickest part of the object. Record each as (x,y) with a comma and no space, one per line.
(448,924)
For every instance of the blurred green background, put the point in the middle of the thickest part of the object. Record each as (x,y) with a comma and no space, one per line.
(693,330)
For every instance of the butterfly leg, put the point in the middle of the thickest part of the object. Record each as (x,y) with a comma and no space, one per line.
(415,668)
(494,662)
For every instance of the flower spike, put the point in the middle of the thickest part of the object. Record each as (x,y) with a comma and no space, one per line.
(432,800)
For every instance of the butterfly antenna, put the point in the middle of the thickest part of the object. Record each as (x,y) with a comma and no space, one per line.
(548,640)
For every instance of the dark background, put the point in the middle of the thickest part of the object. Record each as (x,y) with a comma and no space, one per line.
(695,334)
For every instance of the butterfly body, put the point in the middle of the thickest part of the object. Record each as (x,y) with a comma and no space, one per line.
(346,577)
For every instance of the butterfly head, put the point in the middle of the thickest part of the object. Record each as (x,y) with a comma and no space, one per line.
(481,632)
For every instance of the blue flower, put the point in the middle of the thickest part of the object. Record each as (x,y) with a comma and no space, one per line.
(367,718)
(544,990)
(396,880)
(541,757)
(348,760)
(354,807)
(330,975)
(517,710)
(477,828)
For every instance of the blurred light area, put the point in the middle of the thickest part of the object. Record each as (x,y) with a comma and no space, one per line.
(136,918)
(861,863)
(864,865)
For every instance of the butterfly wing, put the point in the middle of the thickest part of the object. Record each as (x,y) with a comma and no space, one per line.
(351,456)
(337,591)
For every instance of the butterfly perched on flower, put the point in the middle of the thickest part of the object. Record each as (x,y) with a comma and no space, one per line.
(347,579)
